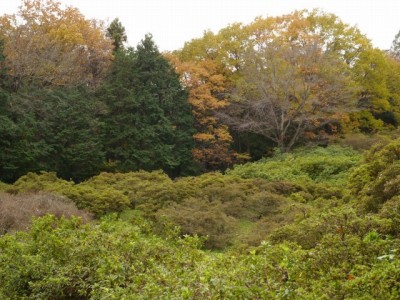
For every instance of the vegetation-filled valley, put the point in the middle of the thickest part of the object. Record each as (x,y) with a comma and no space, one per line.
(259,162)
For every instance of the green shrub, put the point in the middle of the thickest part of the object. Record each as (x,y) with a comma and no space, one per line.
(147,191)
(64,259)
(115,259)
(98,201)
(203,218)
(329,165)
(343,220)
(377,180)
(4,186)
(361,142)
(44,181)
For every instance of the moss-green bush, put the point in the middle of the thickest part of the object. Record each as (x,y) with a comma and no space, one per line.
(64,259)
(343,220)
(329,165)
(4,186)
(147,191)
(44,181)
(203,218)
(95,199)
(216,205)
(377,179)
(98,201)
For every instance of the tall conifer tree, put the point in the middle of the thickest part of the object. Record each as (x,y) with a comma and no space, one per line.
(149,124)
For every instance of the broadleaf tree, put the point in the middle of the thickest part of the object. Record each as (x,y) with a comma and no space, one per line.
(50,45)
(288,89)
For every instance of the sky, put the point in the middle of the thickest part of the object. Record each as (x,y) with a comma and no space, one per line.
(173,22)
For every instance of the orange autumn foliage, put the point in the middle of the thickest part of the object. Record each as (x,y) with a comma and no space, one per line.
(206,95)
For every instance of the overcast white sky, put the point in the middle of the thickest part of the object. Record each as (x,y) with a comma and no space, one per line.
(172,22)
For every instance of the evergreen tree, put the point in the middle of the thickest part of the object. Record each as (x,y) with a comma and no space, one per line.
(72,133)
(149,124)
(15,155)
(116,32)
(51,130)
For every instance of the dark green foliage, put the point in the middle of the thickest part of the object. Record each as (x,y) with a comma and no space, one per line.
(116,32)
(17,155)
(149,123)
(14,150)
(52,130)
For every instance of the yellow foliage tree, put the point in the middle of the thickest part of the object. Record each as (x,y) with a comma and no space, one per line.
(53,45)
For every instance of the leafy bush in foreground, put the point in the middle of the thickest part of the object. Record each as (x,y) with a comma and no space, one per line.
(115,259)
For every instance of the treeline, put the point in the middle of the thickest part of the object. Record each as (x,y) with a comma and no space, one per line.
(76,101)
(85,106)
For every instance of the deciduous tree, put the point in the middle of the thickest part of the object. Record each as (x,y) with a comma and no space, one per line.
(207,90)
(287,89)
(49,45)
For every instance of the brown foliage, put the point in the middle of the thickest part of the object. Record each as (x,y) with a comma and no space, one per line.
(16,211)
(54,46)
(288,89)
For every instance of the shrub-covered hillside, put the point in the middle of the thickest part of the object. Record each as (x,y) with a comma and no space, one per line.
(315,224)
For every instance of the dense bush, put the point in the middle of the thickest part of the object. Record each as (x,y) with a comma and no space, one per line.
(97,200)
(199,217)
(343,220)
(319,165)
(16,211)
(65,259)
(222,207)
(3,186)
(145,190)
(44,181)
(377,179)
(361,142)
